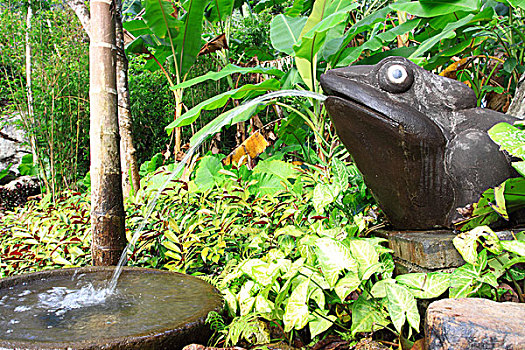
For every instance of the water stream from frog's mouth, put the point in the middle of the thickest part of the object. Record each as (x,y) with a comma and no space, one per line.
(60,300)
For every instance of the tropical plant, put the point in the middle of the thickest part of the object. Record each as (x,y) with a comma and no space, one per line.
(492,271)
(325,279)
(338,33)
(46,234)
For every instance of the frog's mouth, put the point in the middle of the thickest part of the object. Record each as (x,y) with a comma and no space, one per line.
(358,95)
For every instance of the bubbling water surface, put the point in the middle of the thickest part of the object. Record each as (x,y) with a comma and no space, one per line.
(61,309)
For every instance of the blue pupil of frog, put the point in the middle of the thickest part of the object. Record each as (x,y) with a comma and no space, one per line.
(397,73)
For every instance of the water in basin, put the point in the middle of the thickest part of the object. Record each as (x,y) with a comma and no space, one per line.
(59,309)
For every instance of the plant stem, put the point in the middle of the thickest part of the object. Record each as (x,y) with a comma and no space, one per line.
(518,288)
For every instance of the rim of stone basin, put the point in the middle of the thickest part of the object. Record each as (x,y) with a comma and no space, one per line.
(166,337)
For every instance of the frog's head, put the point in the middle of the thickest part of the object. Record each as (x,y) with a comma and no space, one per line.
(400,92)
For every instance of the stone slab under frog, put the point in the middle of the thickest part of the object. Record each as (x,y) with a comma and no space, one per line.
(418,138)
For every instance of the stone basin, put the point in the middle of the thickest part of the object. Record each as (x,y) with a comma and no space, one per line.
(151,309)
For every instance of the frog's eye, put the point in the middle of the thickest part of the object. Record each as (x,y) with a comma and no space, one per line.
(395,77)
(397,74)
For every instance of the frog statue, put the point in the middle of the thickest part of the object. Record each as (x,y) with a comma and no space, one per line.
(418,139)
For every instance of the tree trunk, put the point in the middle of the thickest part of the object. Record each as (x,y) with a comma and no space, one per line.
(128,162)
(130,169)
(107,209)
(517,107)
(29,87)
(82,13)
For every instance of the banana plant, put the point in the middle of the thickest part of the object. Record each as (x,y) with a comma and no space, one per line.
(170,32)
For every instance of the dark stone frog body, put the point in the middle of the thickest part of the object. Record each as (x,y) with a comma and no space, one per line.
(418,138)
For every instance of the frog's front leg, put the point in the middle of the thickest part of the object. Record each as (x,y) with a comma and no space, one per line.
(474,162)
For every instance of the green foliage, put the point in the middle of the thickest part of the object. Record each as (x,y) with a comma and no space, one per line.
(497,260)
(27,167)
(46,234)
(228,211)
(5,172)
(59,127)
(324,278)
(251,37)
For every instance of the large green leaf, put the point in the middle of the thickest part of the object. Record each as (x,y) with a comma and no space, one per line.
(514,246)
(365,24)
(367,316)
(378,290)
(219,10)
(433,8)
(323,195)
(347,285)
(297,8)
(285,31)
(229,70)
(306,67)
(267,184)
(320,321)
(468,278)
(207,174)
(425,285)
(137,27)
(447,32)
(296,311)
(509,138)
(282,170)
(467,243)
(161,18)
(375,42)
(189,40)
(334,257)
(517,3)
(402,306)
(364,253)
(220,100)
(312,41)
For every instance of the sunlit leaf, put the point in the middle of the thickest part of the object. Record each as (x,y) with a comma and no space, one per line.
(318,324)
(430,8)
(347,285)
(425,285)
(365,254)
(514,246)
(226,71)
(285,31)
(220,100)
(367,316)
(296,311)
(334,257)
(402,307)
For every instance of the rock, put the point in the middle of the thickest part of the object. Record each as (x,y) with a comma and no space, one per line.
(475,324)
(16,192)
(427,251)
(13,145)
